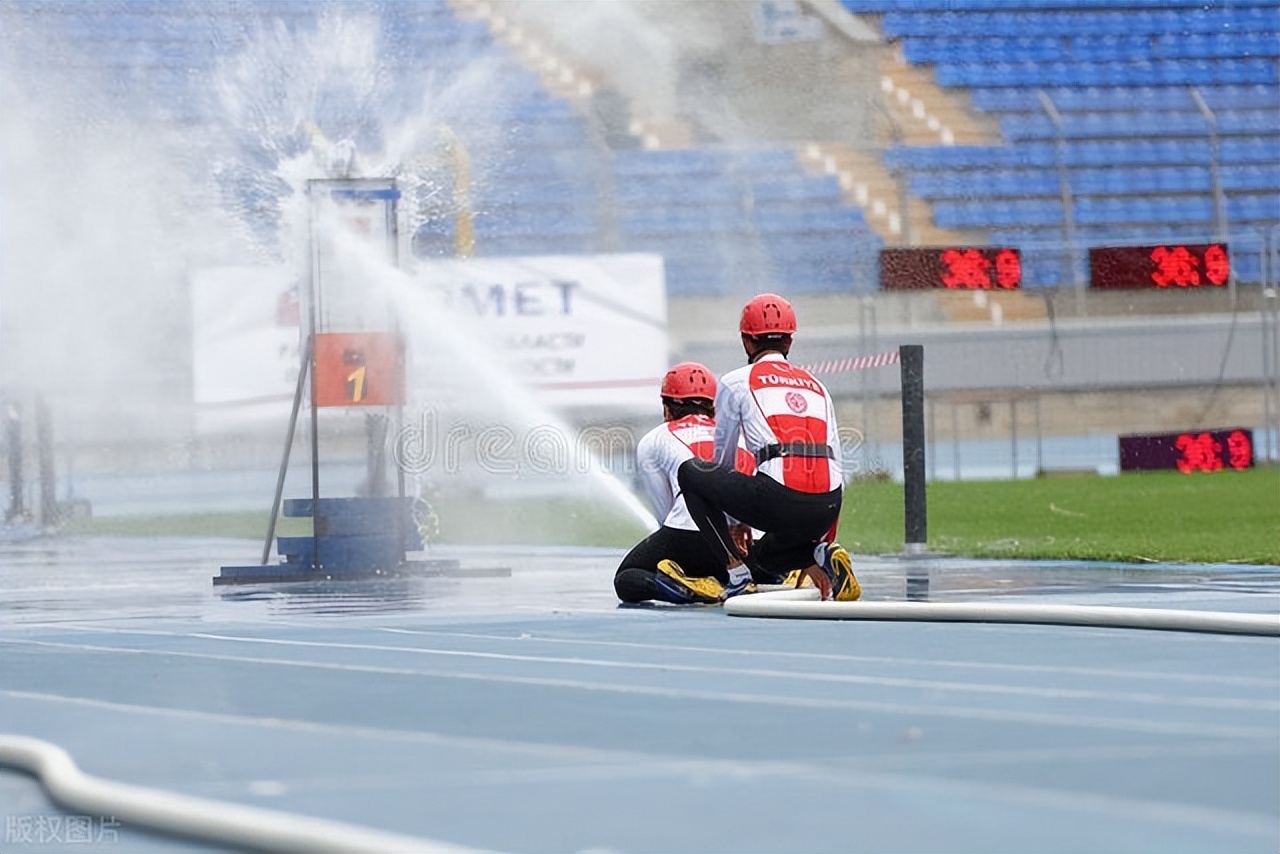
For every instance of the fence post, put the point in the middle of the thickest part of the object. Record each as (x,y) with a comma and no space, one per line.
(911,359)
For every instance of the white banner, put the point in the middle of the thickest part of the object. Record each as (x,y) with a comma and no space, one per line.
(579,331)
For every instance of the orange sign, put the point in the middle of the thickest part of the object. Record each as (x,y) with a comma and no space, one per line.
(359,369)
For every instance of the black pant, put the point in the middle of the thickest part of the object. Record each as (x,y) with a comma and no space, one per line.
(633,582)
(793,521)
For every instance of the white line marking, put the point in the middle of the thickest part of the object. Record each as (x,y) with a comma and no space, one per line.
(1189,728)
(632,764)
(1195,678)
(1214,702)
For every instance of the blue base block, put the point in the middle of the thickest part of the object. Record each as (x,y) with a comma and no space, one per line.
(343,554)
(359,517)
(354,538)
(293,572)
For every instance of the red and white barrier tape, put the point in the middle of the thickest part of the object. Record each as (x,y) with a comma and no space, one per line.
(841,366)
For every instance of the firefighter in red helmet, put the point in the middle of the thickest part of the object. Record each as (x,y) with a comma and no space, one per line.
(675,563)
(785,417)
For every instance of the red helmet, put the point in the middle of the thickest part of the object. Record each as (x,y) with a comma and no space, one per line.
(689,380)
(767,314)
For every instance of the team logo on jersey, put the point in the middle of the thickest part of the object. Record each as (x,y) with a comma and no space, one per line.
(796,402)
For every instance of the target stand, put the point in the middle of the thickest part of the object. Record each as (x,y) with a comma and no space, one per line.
(346,365)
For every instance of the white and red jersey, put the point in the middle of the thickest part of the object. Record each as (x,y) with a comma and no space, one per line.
(781,411)
(661,451)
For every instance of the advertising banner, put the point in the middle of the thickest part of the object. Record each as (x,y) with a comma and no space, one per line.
(576,331)
(579,331)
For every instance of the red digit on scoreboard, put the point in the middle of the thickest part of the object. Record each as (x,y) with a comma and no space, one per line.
(1199,453)
(1008,269)
(1217,269)
(1239,450)
(1176,266)
(966,269)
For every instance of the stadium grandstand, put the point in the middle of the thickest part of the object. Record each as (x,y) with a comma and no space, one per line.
(1164,116)
(1129,120)
(780,145)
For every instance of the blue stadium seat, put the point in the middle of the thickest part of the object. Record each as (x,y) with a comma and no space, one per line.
(808,189)
(843,220)
(670,191)
(1262,207)
(1251,177)
(1251,149)
(1118,70)
(1248,122)
(682,220)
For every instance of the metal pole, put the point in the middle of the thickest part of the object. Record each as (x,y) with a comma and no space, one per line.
(313,295)
(1264,322)
(955,440)
(1271,342)
(1268,297)
(1072,265)
(904,207)
(911,357)
(303,368)
(1215,176)
(865,378)
(49,514)
(1013,433)
(1039,439)
(899,176)
(870,385)
(1274,380)
(13,445)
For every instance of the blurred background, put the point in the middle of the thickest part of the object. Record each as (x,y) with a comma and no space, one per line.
(1074,207)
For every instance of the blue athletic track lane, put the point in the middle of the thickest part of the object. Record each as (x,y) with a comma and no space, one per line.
(530,713)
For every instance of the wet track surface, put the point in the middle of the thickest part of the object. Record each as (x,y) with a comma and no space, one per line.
(530,713)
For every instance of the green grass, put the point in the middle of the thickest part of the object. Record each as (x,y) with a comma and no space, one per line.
(1224,517)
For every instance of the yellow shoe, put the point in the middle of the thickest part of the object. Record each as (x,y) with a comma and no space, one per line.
(839,568)
(797,578)
(685,589)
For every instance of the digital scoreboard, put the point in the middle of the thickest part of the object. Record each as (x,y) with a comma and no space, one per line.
(953,268)
(1181,265)
(1192,451)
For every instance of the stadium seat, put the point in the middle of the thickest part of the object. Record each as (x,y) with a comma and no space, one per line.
(1122,75)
